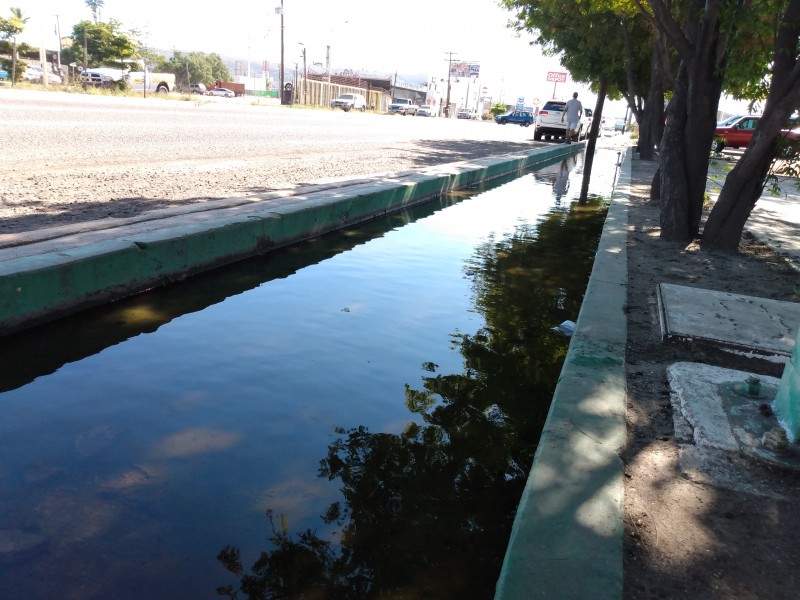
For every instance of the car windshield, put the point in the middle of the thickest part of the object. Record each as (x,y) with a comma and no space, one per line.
(728,121)
(553,106)
(346,97)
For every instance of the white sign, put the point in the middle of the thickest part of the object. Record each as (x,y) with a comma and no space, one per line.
(556,76)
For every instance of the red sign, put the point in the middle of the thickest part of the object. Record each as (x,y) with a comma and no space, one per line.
(556,76)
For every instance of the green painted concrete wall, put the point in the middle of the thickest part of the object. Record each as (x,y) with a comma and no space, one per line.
(787,400)
(43,286)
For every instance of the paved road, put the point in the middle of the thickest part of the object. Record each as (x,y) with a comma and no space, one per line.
(74,157)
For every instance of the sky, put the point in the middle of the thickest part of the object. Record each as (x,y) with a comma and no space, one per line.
(368,36)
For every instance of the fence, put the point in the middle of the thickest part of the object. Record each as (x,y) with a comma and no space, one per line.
(321,93)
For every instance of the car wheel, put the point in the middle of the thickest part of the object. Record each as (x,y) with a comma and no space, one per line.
(524,124)
(363,108)
(537,135)
(717,145)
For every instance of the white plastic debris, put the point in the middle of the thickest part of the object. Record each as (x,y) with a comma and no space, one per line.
(567,328)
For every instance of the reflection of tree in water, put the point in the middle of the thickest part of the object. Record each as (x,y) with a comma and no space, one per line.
(427,513)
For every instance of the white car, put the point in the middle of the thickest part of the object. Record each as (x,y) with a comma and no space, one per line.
(549,123)
(466,113)
(348,102)
(224,92)
(426,110)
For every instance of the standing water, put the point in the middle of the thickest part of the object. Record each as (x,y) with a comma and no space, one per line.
(352,417)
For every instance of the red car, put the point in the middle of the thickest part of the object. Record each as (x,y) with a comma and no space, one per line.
(735,132)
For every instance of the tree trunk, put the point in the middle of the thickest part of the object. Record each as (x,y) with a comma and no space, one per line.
(691,119)
(745,183)
(742,188)
(651,127)
(597,116)
(655,187)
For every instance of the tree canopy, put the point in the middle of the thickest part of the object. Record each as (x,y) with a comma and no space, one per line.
(195,67)
(100,44)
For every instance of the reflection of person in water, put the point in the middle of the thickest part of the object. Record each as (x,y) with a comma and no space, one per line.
(561,184)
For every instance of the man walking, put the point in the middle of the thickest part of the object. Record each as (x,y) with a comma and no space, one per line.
(573,110)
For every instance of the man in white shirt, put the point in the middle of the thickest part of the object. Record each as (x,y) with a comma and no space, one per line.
(573,110)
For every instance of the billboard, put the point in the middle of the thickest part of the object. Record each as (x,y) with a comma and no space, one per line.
(556,76)
(465,69)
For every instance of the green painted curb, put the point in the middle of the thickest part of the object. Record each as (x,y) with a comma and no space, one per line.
(56,277)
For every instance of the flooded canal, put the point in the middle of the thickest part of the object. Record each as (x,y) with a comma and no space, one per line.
(352,417)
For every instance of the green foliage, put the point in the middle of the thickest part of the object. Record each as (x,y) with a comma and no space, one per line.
(105,44)
(498,109)
(590,38)
(196,67)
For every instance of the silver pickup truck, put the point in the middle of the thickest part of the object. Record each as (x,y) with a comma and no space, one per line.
(402,106)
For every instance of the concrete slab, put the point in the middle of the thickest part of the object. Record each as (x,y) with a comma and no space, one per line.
(734,321)
(717,424)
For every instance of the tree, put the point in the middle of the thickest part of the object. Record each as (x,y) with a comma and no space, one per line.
(196,67)
(745,183)
(600,44)
(9,30)
(100,43)
(95,6)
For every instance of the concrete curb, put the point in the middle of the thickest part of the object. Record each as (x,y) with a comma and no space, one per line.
(567,537)
(45,277)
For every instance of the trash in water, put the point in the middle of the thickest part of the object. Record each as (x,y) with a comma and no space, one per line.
(567,328)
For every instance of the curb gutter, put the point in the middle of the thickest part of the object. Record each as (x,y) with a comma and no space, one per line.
(566,541)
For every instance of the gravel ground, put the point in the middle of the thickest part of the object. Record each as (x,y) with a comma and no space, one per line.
(69,158)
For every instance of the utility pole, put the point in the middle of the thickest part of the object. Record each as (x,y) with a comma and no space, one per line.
(449,65)
(60,46)
(328,63)
(280,10)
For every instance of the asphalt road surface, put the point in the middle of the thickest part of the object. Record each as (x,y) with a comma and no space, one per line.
(68,158)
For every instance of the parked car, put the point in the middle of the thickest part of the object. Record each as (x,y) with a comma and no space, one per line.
(519,117)
(735,132)
(224,92)
(426,110)
(197,88)
(349,102)
(3,74)
(549,123)
(32,74)
(466,113)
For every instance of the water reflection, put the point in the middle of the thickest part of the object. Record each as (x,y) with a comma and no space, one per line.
(43,350)
(426,512)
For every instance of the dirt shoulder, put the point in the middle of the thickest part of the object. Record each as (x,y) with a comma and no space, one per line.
(687,539)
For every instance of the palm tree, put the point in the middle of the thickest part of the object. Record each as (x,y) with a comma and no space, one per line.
(95,6)
(17,22)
